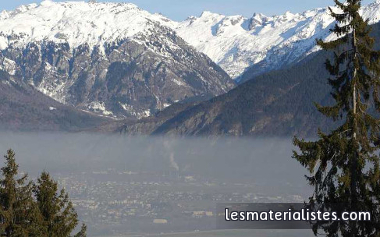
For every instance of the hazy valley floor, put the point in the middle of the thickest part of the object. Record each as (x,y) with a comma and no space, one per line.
(122,185)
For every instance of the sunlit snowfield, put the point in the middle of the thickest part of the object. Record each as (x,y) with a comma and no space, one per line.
(140,186)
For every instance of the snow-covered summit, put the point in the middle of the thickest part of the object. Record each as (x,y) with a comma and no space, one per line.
(74,22)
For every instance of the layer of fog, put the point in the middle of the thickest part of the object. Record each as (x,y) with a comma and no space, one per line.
(264,161)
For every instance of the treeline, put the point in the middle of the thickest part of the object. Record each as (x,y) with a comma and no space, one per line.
(30,208)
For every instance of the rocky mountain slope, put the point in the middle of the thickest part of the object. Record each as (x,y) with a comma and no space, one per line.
(22,108)
(111,58)
(279,103)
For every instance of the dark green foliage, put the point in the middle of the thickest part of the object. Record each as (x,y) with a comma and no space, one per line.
(28,210)
(344,164)
(59,216)
(82,232)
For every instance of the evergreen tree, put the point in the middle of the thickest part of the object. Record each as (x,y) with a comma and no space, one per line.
(19,214)
(344,164)
(59,216)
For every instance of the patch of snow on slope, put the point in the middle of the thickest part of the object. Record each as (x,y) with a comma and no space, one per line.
(8,66)
(97,106)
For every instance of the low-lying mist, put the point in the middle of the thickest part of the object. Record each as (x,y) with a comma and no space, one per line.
(266,161)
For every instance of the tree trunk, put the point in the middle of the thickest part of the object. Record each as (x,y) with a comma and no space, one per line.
(355,157)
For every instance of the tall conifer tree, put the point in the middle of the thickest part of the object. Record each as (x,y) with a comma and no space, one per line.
(344,164)
(19,214)
(59,216)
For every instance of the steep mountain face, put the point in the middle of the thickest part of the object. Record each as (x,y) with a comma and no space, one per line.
(278,103)
(111,58)
(260,44)
(22,108)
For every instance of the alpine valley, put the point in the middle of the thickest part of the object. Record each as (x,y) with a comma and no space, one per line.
(133,71)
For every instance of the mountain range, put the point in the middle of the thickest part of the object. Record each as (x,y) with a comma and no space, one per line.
(155,75)
(245,47)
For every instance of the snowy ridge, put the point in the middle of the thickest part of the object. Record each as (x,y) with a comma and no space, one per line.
(236,42)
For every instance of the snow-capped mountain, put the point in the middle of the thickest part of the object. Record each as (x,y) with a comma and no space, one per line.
(237,43)
(111,58)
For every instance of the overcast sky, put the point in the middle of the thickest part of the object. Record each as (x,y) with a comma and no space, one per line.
(181,9)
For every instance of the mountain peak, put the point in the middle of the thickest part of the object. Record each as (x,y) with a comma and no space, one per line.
(257,19)
(74,22)
(206,14)
(258,15)
(44,2)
